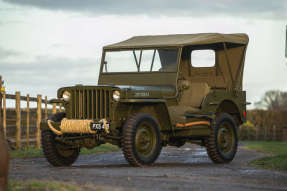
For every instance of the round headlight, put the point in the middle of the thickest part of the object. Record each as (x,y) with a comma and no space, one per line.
(66,96)
(116,95)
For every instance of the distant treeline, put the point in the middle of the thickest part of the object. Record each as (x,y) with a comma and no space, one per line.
(265,125)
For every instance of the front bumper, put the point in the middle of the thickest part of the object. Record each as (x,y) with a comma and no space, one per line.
(72,126)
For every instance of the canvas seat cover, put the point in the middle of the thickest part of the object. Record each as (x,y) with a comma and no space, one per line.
(190,101)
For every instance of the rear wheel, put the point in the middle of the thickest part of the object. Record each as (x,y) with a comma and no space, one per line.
(57,153)
(222,142)
(141,140)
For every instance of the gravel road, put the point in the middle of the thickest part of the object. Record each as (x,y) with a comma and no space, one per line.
(185,168)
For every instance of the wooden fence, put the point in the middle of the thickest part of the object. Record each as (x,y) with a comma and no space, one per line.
(265,125)
(19,126)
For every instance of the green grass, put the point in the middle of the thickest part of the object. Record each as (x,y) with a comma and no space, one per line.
(33,152)
(37,185)
(277,150)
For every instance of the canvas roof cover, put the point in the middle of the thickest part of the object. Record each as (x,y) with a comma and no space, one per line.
(178,40)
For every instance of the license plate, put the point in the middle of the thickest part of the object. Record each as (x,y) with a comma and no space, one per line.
(98,126)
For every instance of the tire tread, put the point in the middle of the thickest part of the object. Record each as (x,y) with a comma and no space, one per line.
(211,145)
(129,130)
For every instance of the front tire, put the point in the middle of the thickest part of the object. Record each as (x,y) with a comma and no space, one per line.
(56,153)
(223,140)
(141,139)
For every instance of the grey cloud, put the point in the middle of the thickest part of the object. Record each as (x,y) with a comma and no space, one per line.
(47,67)
(5,53)
(58,45)
(257,8)
(11,22)
(46,74)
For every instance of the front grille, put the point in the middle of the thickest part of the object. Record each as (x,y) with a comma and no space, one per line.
(91,103)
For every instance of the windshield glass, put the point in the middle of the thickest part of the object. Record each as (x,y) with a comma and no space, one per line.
(155,60)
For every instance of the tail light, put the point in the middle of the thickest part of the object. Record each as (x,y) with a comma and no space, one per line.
(244,114)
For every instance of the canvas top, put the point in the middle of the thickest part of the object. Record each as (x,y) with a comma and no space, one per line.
(178,40)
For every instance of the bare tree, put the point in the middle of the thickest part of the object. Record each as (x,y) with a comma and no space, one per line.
(273,100)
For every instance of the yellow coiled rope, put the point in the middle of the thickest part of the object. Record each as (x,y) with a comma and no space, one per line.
(76,126)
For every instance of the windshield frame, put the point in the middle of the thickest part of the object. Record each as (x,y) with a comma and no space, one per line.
(178,49)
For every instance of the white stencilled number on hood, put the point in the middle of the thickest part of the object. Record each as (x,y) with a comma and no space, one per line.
(142,94)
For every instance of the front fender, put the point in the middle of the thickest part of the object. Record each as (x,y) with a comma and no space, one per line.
(157,107)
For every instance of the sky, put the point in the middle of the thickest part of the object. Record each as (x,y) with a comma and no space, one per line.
(45,45)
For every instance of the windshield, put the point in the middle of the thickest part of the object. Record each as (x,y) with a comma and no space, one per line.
(155,60)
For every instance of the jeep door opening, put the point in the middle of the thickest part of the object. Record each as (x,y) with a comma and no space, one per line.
(151,93)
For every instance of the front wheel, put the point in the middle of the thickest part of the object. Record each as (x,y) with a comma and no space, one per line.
(222,142)
(141,139)
(57,153)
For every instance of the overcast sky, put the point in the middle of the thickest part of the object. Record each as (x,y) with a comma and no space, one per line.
(48,44)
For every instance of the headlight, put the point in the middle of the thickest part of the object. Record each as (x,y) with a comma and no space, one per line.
(66,96)
(116,95)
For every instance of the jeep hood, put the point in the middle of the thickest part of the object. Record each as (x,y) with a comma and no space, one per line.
(128,91)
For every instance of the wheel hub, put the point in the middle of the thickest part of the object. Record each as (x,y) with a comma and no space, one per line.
(225,138)
(145,140)
(63,151)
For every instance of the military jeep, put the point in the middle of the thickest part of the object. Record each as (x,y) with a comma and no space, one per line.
(155,91)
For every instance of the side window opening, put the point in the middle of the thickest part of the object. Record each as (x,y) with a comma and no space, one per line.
(168,60)
(203,58)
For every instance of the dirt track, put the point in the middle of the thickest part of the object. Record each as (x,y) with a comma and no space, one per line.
(185,168)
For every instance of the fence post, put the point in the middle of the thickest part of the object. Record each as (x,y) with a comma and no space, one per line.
(39,116)
(257,131)
(46,107)
(18,121)
(54,110)
(256,123)
(267,136)
(274,137)
(248,134)
(28,122)
(4,115)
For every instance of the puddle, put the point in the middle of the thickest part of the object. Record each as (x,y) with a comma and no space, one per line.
(195,160)
(249,171)
(199,153)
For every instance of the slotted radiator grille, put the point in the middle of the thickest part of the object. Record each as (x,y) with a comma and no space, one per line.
(91,103)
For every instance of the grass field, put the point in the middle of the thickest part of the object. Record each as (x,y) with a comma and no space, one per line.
(277,150)
(41,185)
(33,152)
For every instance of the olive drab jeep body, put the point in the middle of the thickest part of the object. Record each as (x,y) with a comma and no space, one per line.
(151,94)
